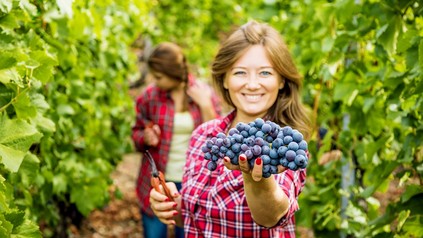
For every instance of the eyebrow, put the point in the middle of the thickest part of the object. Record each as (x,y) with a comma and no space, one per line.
(243,67)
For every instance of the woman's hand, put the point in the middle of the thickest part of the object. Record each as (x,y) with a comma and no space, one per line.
(256,171)
(200,93)
(167,211)
(152,135)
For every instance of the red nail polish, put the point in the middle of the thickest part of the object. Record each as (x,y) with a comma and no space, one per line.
(175,205)
(258,161)
(242,158)
(175,213)
(167,200)
(226,159)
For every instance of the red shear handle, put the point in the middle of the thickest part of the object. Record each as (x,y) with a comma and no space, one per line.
(156,181)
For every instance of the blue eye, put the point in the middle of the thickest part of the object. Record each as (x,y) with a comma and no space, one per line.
(240,73)
(265,73)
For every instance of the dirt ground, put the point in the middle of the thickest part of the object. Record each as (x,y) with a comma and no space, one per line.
(121,218)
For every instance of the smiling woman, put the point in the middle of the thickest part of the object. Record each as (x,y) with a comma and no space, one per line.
(255,74)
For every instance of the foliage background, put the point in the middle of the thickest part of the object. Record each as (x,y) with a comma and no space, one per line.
(65,111)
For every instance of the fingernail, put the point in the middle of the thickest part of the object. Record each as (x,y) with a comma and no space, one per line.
(226,159)
(242,158)
(175,205)
(167,200)
(258,161)
(176,194)
(175,213)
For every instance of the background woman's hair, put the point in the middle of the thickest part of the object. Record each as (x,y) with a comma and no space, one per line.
(169,59)
(288,108)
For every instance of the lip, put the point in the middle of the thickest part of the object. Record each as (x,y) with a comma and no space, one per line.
(252,97)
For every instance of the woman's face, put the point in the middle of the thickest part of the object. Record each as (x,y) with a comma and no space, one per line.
(164,82)
(253,83)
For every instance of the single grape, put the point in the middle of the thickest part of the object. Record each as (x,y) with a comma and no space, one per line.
(265,150)
(233,131)
(293,146)
(259,122)
(211,165)
(287,139)
(287,130)
(303,145)
(266,159)
(292,165)
(221,135)
(266,128)
(290,155)
(207,156)
(297,136)
(282,150)
(205,149)
(256,149)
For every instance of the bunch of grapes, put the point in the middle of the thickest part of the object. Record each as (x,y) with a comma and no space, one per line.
(275,145)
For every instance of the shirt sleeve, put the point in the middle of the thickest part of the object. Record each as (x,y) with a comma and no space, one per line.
(140,123)
(292,183)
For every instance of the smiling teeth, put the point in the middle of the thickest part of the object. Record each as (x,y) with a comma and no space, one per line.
(252,97)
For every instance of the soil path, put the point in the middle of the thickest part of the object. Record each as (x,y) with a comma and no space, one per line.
(121,217)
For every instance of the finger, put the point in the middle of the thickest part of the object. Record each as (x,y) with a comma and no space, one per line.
(243,163)
(229,165)
(157,130)
(257,172)
(281,169)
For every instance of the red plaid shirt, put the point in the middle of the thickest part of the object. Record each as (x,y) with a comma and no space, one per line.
(214,203)
(155,105)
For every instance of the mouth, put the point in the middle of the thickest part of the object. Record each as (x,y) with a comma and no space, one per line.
(252,97)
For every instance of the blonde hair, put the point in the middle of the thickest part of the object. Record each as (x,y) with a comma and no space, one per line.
(288,108)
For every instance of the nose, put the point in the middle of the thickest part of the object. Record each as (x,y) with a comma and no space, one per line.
(253,82)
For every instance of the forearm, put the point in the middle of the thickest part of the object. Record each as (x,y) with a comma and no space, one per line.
(267,201)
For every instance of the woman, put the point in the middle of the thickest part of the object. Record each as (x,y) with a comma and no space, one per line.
(167,112)
(256,75)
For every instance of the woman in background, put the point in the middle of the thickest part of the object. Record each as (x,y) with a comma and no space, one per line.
(167,112)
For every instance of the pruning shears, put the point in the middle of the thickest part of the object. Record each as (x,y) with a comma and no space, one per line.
(157,177)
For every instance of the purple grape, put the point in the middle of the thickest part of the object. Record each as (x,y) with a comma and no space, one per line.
(256,149)
(301,152)
(293,146)
(211,165)
(259,141)
(233,131)
(248,154)
(266,159)
(266,167)
(236,148)
(207,156)
(219,142)
(269,139)
(266,128)
(252,131)
(221,135)
(287,139)
(223,149)
(292,166)
(282,150)
(244,147)
(287,130)
(297,136)
(273,169)
(259,134)
(265,150)
(273,154)
(245,134)
(205,149)
(278,142)
(300,160)
(290,155)
(303,145)
(259,122)
(230,154)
